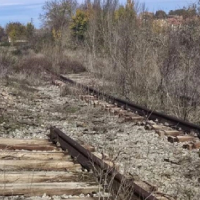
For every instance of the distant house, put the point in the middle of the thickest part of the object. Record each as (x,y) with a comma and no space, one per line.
(175,20)
(17,41)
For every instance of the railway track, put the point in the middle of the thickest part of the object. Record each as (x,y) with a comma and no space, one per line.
(37,167)
(175,129)
(164,164)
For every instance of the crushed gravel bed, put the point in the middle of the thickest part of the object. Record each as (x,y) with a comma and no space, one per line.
(28,112)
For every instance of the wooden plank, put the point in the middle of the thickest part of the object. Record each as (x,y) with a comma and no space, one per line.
(172,133)
(185,138)
(36,165)
(89,198)
(135,118)
(30,155)
(196,145)
(29,147)
(159,127)
(161,196)
(37,177)
(79,198)
(11,141)
(38,189)
(33,144)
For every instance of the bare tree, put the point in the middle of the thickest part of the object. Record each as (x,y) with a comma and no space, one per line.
(58,13)
(57,17)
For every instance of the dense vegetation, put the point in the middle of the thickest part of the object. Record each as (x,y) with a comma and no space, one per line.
(151,58)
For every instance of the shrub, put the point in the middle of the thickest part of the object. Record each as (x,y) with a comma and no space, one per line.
(34,64)
(7,61)
(67,66)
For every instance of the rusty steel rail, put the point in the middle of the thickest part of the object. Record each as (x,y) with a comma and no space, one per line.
(149,114)
(91,162)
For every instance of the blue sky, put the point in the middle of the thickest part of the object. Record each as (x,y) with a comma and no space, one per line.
(20,10)
(25,10)
(166,5)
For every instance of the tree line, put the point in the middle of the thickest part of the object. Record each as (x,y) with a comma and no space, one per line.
(16,31)
(67,14)
(149,60)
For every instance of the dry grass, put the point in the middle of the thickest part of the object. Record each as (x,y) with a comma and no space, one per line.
(67,66)
(62,62)
(33,68)
(6,62)
(33,64)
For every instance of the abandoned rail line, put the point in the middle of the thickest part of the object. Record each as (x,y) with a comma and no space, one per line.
(177,130)
(36,167)
(28,165)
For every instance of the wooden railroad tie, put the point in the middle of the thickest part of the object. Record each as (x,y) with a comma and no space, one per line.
(36,167)
(175,136)
(127,116)
(112,108)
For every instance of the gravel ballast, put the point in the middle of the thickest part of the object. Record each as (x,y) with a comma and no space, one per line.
(29,112)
